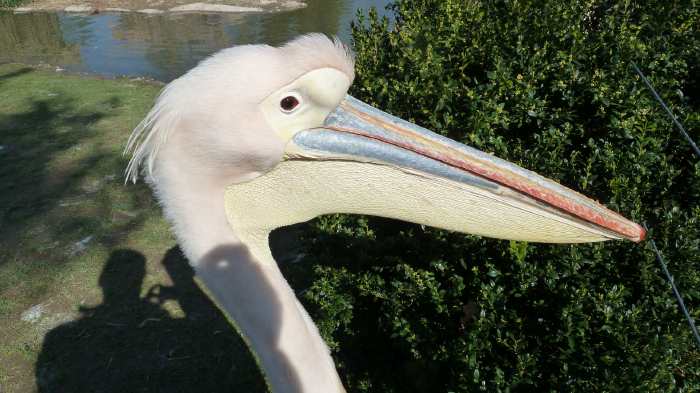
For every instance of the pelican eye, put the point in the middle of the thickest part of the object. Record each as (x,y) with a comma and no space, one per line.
(289,103)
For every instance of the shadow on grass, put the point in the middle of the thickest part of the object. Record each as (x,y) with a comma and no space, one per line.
(60,174)
(130,343)
(9,75)
(60,182)
(31,140)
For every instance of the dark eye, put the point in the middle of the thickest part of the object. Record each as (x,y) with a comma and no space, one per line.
(288,103)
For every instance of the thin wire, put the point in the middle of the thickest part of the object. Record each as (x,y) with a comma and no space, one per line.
(659,258)
(668,111)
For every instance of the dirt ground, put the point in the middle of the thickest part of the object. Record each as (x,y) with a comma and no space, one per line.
(158,6)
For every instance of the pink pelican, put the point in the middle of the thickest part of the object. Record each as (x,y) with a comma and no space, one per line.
(258,137)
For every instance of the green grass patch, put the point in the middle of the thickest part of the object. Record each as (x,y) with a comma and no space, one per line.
(94,293)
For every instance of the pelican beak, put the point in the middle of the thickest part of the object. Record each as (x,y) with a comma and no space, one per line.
(494,188)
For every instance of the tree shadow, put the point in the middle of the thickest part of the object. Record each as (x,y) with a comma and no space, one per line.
(9,75)
(131,343)
(51,147)
(60,175)
(32,139)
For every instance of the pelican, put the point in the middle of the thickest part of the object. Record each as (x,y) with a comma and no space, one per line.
(258,137)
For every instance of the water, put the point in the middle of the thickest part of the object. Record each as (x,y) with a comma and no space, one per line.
(163,46)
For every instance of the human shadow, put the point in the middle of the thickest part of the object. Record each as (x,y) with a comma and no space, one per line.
(130,343)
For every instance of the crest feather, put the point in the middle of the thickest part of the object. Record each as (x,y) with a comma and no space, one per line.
(301,55)
(149,135)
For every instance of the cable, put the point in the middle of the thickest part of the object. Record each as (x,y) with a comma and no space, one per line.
(659,258)
(668,111)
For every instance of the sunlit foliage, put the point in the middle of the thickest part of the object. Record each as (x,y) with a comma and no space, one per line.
(550,86)
(11,3)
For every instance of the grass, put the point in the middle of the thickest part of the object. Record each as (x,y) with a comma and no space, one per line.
(114,305)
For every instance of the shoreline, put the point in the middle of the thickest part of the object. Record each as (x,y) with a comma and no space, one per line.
(159,6)
(58,70)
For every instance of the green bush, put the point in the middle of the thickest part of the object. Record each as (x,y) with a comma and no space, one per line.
(11,3)
(548,85)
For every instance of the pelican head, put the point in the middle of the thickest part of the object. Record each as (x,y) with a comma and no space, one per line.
(258,137)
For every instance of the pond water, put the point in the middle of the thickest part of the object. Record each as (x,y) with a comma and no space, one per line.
(162,46)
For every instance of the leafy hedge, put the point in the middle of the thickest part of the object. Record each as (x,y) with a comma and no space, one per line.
(548,85)
(11,3)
